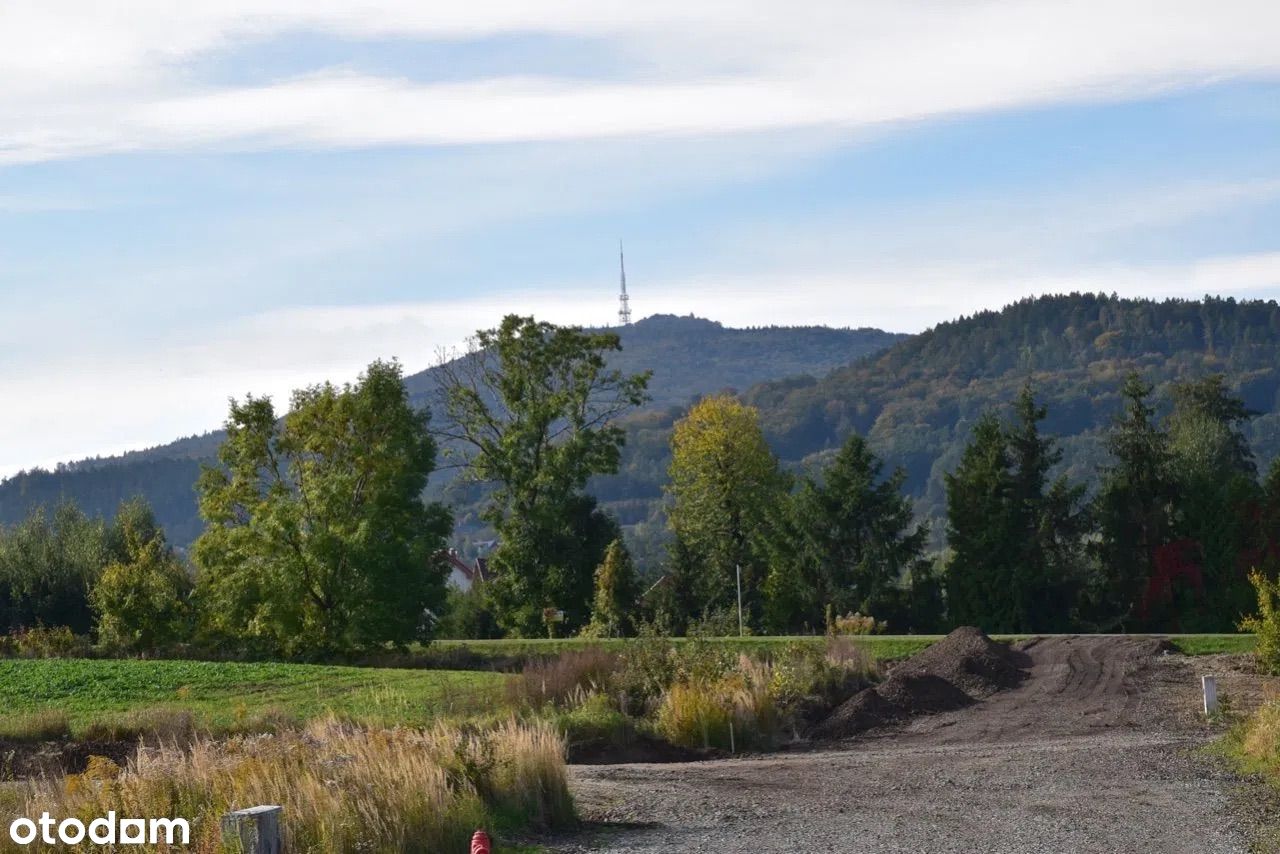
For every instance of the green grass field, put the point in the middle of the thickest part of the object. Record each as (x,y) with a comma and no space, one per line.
(883,647)
(223,694)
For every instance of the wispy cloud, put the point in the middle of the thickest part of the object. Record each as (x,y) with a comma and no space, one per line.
(82,78)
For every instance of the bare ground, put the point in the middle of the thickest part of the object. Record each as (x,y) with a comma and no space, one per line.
(1094,752)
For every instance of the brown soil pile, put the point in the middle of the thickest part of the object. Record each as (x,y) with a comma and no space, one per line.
(963,667)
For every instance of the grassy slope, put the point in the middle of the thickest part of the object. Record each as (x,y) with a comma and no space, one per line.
(222,693)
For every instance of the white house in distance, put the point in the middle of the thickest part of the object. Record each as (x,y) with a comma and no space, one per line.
(463,575)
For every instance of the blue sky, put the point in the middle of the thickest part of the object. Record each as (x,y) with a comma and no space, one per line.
(204,199)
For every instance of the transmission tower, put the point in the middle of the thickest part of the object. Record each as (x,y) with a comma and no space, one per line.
(624,302)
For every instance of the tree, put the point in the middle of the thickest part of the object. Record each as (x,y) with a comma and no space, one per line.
(849,542)
(143,597)
(1047,574)
(530,408)
(1134,508)
(318,541)
(1217,507)
(982,532)
(48,564)
(615,594)
(724,486)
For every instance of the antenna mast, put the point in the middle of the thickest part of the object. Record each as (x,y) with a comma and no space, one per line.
(624,302)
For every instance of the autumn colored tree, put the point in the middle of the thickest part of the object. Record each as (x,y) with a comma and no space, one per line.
(613,607)
(725,486)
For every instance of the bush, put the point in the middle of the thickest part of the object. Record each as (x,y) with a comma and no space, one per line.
(342,788)
(48,642)
(856,624)
(565,678)
(736,710)
(468,615)
(596,720)
(1266,623)
(143,601)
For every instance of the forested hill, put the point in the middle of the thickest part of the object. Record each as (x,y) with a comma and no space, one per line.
(917,400)
(689,357)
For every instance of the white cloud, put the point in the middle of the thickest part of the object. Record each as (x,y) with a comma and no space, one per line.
(177,384)
(83,77)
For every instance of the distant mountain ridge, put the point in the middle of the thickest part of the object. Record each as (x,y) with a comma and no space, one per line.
(689,357)
(914,397)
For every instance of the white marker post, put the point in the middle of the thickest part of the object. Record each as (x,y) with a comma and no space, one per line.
(1210,687)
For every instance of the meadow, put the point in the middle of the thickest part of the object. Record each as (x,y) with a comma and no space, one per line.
(112,699)
(228,696)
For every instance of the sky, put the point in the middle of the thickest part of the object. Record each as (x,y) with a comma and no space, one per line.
(204,199)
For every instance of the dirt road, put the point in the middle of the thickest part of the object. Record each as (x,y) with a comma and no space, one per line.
(1093,752)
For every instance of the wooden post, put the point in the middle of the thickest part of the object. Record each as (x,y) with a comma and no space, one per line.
(1210,688)
(256,830)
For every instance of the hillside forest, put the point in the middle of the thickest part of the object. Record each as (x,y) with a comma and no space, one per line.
(1069,463)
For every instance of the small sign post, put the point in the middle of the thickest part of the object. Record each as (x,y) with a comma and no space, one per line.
(1210,687)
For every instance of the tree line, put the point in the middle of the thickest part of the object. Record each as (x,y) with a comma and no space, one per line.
(318,542)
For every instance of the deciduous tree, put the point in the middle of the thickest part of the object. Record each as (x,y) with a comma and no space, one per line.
(318,541)
(531,408)
(725,484)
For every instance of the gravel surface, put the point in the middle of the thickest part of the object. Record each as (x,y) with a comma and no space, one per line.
(1093,752)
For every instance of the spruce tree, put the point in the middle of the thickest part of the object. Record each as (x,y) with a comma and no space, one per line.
(982,532)
(1134,509)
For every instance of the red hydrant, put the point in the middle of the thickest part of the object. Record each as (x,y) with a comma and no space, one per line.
(480,843)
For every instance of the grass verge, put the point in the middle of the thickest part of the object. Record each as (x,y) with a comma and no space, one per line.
(342,787)
(90,697)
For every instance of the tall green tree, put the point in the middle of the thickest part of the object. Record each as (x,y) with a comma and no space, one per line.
(725,486)
(143,597)
(318,541)
(531,408)
(982,532)
(49,563)
(1017,539)
(1134,509)
(849,543)
(1216,508)
(1048,573)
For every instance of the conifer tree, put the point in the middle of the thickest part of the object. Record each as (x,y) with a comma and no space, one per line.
(615,593)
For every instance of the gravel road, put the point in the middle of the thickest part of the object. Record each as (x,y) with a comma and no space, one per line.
(1093,752)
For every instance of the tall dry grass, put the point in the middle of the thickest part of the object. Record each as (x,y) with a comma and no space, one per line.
(565,679)
(343,788)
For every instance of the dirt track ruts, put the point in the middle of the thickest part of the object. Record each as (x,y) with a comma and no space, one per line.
(1093,752)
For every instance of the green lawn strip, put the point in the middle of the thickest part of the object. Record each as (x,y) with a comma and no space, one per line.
(883,647)
(221,694)
(1213,644)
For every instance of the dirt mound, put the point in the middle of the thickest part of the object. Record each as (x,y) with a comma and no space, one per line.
(963,667)
(971,661)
